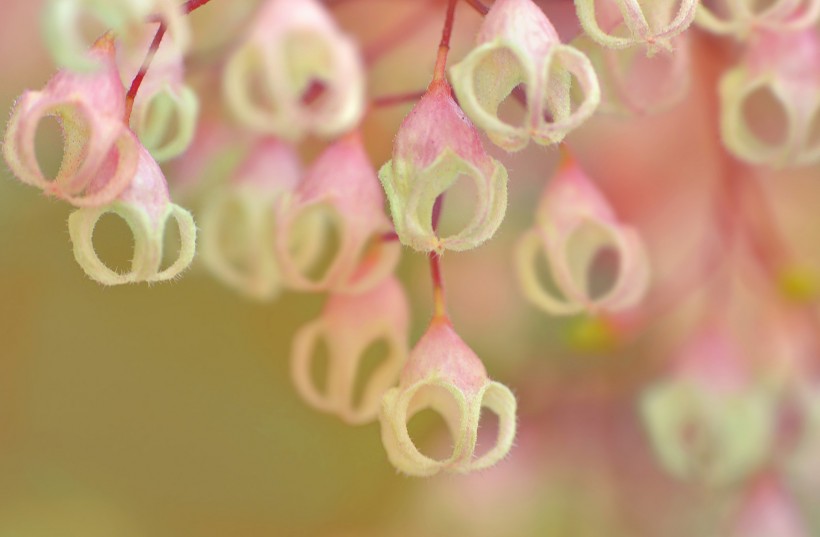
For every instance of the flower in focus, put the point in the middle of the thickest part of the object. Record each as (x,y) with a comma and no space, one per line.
(237,220)
(100,153)
(708,420)
(146,208)
(742,17)
(63,22)
(625,23)
(296,73)
(574,224)
(350,325)
(784,64)
(435,146)
(339,198)
(517,45)
(442,373)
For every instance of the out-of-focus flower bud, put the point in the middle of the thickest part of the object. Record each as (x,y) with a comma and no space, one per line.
(436,144)
(349,325)
(634,83)
(237,220)
(296,73)
(517,44)
(443,374)
(341,193)
(165,110)
(146,208)
(708,421)
(625,23)
(743,17)
(574,224)
(64,20)
(100,154)
(768,510)
(785,64)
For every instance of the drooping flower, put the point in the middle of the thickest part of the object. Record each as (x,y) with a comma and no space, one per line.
(435,146)
(517,45)
(64,21)
(443,374)
(626,23)
(742,18)
(339,196)
(100,154)
(146,208)
(296,73)
(237,220)
(768,510)
(349,325)
(784,64)
(709,421)
(574,224)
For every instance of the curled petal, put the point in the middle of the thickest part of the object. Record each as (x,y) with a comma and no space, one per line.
(650,23)
(349,324)
(518,45)
(443,374)
(146,209)
(342,193)
(742,17)
(296,73)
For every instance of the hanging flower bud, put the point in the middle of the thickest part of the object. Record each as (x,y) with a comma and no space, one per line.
(349,325)
(436,144)
(445,375)
(707,421)
(340,194)
(517,44)
(784,64)
(64,21)
(743,17)
(146,208)
(574,224)
(296,73)
(237,221)
(100,153)
(768,510)
(165,110)
(625,23)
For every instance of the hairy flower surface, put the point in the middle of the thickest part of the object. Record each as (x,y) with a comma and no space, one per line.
(146,208)
(342,192)
(435,146)
(625,23)
(296,73)
(237,220)
(349,324)
(64,20)
(574,224)
(518,45)
(743,18)
(708,421)
(442,373)
(785,64)
(100,152)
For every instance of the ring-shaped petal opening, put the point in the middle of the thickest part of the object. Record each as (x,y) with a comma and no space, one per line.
(249,90)
(167,122)
(527,250)
(498,399)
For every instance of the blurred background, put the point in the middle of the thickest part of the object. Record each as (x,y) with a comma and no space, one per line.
(167,410)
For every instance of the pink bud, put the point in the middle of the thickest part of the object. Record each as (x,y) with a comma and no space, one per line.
(442,373)
(146,208)
(349,324)
(237,220)
(341,193)
(768,510)
(100,154)
(575,223)
(517,44)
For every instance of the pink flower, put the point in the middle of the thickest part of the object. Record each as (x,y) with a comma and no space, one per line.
(340,194)
(349,324)
(444,374)
(574,223)
(100,154)
(743,18)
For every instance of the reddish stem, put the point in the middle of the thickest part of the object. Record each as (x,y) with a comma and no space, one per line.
(444,46)
(403,31)
(478,6)
(397,99)
(146,64)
